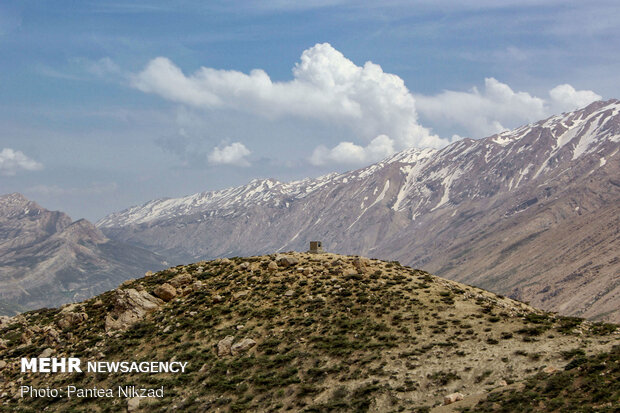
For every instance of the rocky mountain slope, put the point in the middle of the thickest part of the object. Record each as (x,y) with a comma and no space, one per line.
(531,213)
(46,259)
(295,332)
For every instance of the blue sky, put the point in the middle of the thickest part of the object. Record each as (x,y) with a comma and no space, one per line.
(109,104)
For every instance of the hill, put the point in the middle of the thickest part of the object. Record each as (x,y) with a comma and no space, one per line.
(530,213)
(46,259)
(293,332)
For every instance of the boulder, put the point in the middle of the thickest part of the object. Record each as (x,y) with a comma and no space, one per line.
(3,344)
(242,346)
(129,307)
(349,271)
(46,353)
(289,293)
(307,271)
(2,365)
(181,280)
(148,273)
(451,398)
(217,298)
(272,266)
(287,261)
(224,346)
(165,291)
(51,336)
(133,404)
(244,265)
(71,320)
(550,370)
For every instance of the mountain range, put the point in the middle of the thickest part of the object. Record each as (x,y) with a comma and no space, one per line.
(532,213)
(47,259)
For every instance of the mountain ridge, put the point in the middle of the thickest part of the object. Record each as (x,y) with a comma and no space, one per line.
(424,207)
(47,259)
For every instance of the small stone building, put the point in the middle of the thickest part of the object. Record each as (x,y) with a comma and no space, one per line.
(316,247)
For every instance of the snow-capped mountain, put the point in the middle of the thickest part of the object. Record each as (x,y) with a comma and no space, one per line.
(493,212)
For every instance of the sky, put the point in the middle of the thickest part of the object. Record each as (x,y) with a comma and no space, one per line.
(105,105)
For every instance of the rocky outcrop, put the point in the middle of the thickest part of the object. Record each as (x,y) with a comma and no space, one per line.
(165,291)
(242,346)
(70,319)
(130,306)
(224,346)
(452,398)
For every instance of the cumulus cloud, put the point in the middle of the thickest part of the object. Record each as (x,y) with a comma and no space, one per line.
(12,161)
(233,154)
(498,107)
(565,98)
(350,153)
(326,87)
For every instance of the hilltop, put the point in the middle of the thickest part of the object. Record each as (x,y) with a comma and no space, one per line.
(295,332)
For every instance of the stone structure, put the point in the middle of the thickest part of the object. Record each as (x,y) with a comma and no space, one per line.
(316,247)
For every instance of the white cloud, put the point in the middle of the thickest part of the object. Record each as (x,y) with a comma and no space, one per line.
(12,161)
(498,107)
(565,98)
(349,153)
(326,87)
(233,154)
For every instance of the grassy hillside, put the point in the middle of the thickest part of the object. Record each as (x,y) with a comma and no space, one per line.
(313,333)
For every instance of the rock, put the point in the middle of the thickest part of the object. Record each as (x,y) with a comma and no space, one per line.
(4,320)
(289,293)
(550,370)
(241,294)
(2,365)
(242,346)
(272,266)
(133,404)
(181,280)
(307,271)
(166,292)
(51,336)
(46,353)
(3,344)
(240,327)
(71,320)
(130,306)
(502,383)
(224,346)
(244,265)
(218,298)
(361,264)
(349,271)
(148,273)
(287,261)
(197,285)
(451,398)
